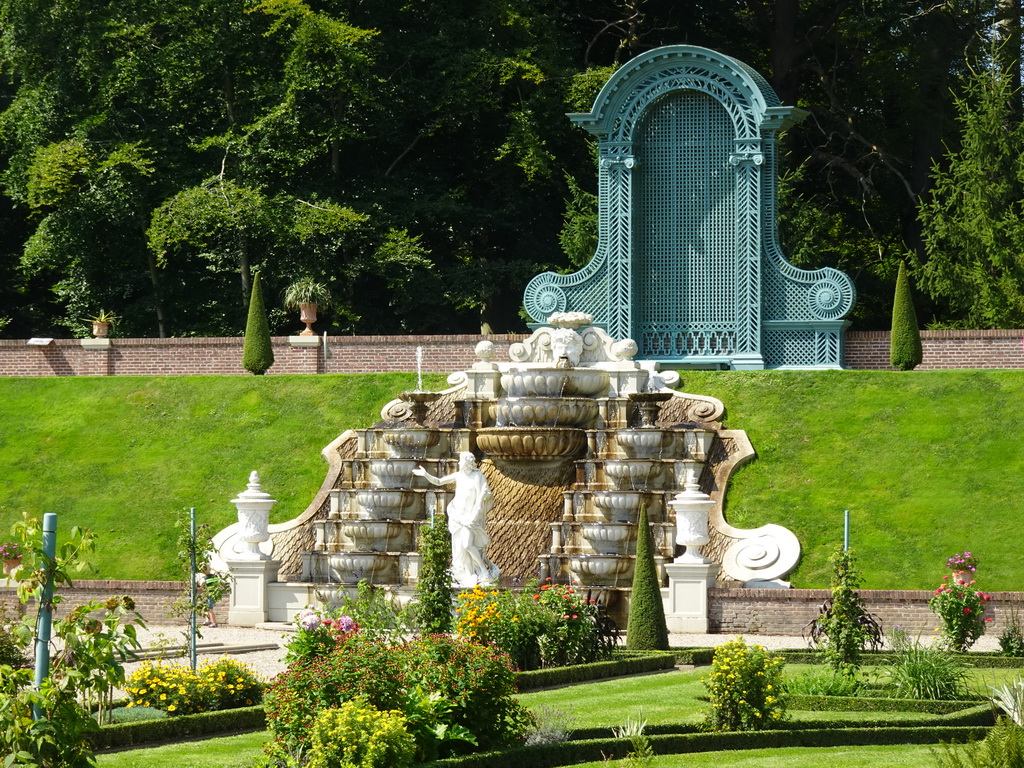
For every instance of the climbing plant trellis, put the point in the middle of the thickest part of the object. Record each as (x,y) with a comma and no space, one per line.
(688,261)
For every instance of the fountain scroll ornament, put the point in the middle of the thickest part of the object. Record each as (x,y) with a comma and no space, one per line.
(467,515)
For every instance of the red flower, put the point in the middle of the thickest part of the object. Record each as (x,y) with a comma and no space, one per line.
(967,610)
(988,618)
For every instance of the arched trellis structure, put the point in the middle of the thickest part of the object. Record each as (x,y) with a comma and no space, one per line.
(688,261)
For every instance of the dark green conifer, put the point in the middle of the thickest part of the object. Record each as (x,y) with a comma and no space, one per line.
(905,338)
(434,595)
(257,352)
(646,630)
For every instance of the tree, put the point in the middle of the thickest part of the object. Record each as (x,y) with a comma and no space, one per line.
(646,629)
(905,339)
(973,221)
(434,596)
(257,352)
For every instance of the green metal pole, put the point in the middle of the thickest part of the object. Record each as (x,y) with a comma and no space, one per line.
(194,591)
(45,620)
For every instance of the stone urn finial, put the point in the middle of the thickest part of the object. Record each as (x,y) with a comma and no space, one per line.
(253,506)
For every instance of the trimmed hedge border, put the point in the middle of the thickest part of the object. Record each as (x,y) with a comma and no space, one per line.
(879,704)
(971,659)
(622,663)
(184,726)
(595,750)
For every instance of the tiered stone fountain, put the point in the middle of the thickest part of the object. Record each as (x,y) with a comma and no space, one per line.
(574,437)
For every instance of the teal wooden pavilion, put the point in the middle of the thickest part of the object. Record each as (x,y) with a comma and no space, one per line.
(688,261)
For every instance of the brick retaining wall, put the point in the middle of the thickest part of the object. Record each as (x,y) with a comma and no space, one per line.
(865,350)
(732,611)
(788,611)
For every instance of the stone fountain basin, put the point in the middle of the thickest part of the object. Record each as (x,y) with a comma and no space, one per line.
(697,443)
(377,535)
(617,506)
(392,473)
(602,570)
(531,443)
(645,443)
(543,412)
(385,504)
(555,382)
(411,443)
(609,538)
(633,474)
(351,567)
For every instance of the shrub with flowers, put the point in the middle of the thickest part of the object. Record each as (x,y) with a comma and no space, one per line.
(547,626)
(745,688)
(962,562)
(358,735)
(476,685)
(318,632)
(962,611)
(11,550)
(177,690)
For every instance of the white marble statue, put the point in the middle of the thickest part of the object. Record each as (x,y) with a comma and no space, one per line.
(467,516)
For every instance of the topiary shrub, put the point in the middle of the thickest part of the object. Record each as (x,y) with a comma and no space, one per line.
(646,629)
(905,339)
(257,351)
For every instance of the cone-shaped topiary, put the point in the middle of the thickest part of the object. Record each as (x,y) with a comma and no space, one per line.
(257,352)
(646,630)
(905,339)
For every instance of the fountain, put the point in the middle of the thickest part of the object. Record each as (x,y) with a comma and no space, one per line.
(573,437)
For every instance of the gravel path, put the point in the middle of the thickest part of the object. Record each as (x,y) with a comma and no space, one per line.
(268,663)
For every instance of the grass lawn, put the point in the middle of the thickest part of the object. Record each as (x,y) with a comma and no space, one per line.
(226,752)
(122,455)
(910,755)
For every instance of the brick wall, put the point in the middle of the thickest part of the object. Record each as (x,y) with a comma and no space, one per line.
(869,350)
(732,611)
(788,611)
(153,599)
(865,350)
(191,357)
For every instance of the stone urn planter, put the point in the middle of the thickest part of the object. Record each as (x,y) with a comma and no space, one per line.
(10,566)
(307,295)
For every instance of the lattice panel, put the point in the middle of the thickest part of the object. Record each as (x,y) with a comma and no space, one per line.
(684,228)
(791,348)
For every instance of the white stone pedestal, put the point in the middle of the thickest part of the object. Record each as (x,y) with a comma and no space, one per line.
(686,604)
(249,602)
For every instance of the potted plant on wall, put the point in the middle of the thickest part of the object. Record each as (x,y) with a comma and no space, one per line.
(11,553)
(305,295)
(101,323)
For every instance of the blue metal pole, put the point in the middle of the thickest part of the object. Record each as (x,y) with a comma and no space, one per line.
(846,531)
(192,572)
(45,620)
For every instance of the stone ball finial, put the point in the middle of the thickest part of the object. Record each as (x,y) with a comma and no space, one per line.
(485,350)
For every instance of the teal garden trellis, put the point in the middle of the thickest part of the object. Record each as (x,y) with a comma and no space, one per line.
(688,262)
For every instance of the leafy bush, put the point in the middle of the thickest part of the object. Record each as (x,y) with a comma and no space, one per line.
(318,631)
(177,690)
(962,611)
(475,683)
(824,683)
(1003,747)
(377,612)
(358,735)
(554,625)
(1011,639)
(434,597)
(843,626)
(136,714)
(922,672)
(745,688)
(11,651)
